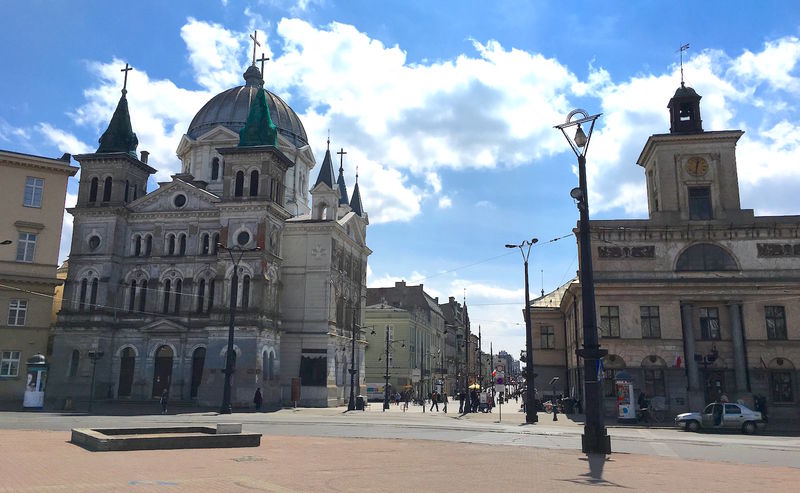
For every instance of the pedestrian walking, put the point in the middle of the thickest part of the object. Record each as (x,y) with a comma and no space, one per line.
(444,401)
(435,400)
(461,402)
(406,397)
(258,399)
(164,400)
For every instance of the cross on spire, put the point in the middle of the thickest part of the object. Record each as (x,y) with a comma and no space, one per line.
(356,175)
(329,139)
(127,69)
(682,49)
(341,154)
(262,60)
(255,43)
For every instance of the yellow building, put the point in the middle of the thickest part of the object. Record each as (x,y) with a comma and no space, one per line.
(30,233)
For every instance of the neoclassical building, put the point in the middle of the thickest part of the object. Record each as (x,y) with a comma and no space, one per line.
(700,299)
(154,276)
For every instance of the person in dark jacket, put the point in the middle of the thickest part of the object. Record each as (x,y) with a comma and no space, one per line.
(164,401)
(258,399)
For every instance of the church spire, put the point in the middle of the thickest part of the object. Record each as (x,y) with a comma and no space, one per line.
(326,171)
(258,130)
(340,181)
(355,202)
(119,136)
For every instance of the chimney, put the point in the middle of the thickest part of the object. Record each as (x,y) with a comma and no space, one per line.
(452,299)
(400,284)
(145,155)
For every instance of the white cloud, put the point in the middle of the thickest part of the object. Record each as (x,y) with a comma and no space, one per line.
(214,53)
(445,202)
(64,141)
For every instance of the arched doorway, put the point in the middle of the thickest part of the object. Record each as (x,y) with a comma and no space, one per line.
(198,361)
(162,372)
(126,368)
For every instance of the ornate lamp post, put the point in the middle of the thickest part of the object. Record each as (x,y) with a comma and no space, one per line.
(225,408)
(530,398)
(386,375)
(595,439)
(95,356)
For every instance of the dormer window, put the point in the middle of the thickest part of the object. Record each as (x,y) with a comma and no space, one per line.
(700,203)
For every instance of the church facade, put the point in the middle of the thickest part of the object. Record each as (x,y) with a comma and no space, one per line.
(157,278)
(697,302)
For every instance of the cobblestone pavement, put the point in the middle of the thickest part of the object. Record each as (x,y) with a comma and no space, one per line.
(44,461)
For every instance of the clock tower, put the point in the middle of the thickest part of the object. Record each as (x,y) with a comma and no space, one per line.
(691,174)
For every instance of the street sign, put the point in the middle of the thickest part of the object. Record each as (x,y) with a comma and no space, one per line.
(500,367)
(499,381)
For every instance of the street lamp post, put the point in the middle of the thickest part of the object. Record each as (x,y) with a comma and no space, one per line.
(351,406)
(595,438)
(386,375)
(225,408)
(94,356)
(530,398)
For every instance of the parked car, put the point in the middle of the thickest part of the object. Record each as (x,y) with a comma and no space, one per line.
(717,416)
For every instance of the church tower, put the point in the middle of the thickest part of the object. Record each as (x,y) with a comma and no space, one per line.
(325,195)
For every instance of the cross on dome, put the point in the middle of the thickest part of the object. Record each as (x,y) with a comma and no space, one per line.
(255,43)
(262,60)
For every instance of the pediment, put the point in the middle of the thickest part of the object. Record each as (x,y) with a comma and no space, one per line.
(163,325)
(163,198)
(219,132)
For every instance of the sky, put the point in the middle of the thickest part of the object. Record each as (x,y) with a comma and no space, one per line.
(446,108)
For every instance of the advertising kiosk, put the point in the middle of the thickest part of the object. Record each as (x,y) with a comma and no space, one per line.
(35,382)
(626,410)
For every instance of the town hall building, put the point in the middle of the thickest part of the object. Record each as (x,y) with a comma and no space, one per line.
(156,277)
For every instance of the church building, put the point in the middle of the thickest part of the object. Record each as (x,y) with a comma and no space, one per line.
(157,278)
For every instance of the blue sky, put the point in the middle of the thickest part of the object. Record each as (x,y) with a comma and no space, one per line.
(447,109)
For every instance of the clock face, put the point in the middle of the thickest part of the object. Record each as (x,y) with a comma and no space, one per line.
(696,166)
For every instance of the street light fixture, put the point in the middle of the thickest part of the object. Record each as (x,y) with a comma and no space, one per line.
(5,242)
(225,408)
(595,438)
(530,398)
(386,375)
(94,356)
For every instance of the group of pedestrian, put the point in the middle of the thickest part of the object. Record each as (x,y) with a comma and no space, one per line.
(435,397)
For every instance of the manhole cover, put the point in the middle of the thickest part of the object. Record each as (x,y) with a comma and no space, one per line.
(249,458)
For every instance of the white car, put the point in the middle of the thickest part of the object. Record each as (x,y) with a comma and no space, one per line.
(717,416)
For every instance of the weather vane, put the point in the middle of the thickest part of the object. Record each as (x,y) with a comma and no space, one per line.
(682,49)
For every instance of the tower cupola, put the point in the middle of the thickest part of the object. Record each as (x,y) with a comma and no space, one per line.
(684,111)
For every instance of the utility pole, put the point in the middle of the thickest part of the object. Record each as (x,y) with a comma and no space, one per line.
(386,376)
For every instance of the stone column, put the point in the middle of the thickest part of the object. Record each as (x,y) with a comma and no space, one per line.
(737,334)
(695,392)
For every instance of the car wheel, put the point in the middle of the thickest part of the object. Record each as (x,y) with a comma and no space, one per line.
(692,426)
(749,428)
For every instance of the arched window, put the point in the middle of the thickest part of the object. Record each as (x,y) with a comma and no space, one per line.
(271,366)
(211,285)
(238,188)
(215,168)
(93,190)
(148,245)
(93,297)
(137,246)
(127,189)
(705,257)
(254,183)
(143,297)
(182,246)
(178,289)
(205,246)
(132,300)
(167,288)
(73,362)
(171,245)
(201,292)
(107,189)
(246,292)
(216,243)
(135,190)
